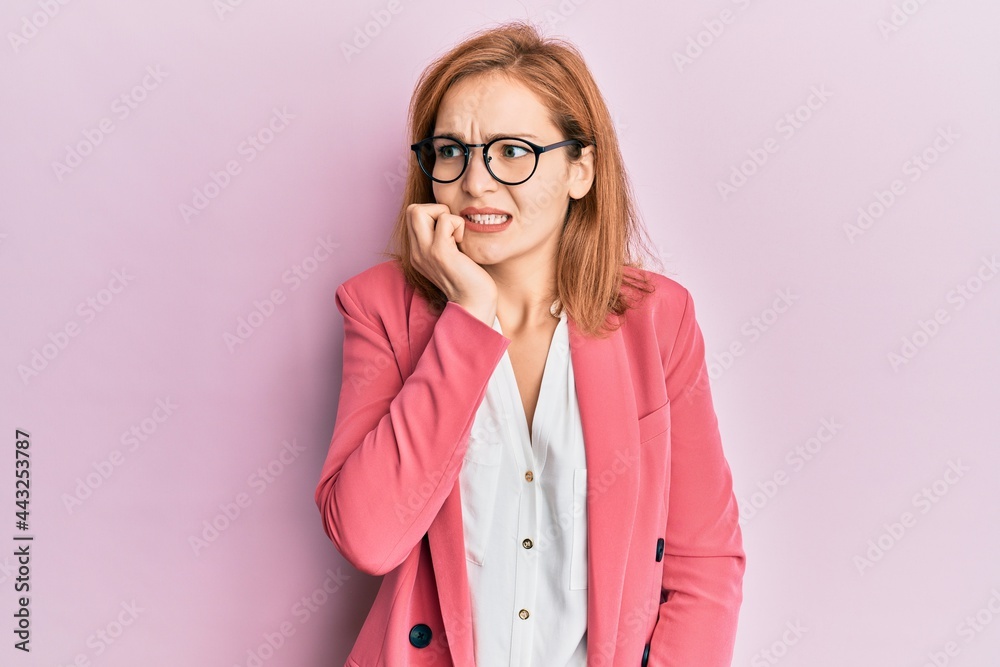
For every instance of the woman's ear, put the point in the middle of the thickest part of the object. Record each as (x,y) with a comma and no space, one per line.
(581,173)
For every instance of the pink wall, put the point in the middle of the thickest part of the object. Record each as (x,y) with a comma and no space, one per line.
(170,169)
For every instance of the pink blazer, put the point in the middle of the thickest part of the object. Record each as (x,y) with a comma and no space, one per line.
(665,552)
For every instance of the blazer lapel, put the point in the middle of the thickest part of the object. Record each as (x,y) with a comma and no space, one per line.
(609,417)
(610,432)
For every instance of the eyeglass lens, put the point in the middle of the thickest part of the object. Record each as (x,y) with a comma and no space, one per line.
(509,159)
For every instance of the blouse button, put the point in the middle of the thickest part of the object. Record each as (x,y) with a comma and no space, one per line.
(526,543)
(523,614)
(528,476)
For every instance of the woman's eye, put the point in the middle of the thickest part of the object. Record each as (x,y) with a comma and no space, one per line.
(511,151)
(449,151)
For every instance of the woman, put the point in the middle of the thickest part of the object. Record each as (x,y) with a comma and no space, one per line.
(525,443)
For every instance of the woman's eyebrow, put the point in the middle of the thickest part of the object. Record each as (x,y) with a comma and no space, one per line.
(489,137)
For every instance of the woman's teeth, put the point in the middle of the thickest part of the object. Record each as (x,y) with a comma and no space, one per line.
(488,219)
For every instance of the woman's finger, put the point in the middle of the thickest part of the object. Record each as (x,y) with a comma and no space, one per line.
(421,222)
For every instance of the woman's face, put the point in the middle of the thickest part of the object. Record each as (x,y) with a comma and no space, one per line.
(478,108)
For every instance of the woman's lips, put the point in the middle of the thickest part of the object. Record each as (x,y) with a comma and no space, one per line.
(487,223)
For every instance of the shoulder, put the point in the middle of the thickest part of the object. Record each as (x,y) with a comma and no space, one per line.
(667,304)
(385,277)
(375,293)
(662,325)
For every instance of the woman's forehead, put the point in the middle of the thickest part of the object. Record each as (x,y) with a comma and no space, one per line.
(492,103)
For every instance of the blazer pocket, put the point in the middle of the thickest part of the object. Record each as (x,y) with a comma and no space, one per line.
(578,562)
(478,481)
(655,423)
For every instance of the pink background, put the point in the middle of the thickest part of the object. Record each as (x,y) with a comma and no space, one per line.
(319,196)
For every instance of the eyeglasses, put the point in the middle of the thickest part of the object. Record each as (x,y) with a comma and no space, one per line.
(509,160)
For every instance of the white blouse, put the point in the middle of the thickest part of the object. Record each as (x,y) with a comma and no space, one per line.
(525,519)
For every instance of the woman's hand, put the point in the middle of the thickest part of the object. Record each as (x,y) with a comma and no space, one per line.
(434,237)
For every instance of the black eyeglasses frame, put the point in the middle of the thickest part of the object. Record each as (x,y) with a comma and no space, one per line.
(466,148)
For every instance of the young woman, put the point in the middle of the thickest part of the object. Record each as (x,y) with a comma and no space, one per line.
(525,445)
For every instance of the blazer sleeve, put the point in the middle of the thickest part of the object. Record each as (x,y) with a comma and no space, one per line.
(397,447)
(704,561)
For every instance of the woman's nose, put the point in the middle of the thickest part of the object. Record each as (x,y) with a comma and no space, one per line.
(477,178)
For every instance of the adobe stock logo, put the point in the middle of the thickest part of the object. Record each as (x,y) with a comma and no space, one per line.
(121,107)
(218,180)
(927,329)
(381,19)
(752,330)
(107,635)
(224,7)
(230,511)
(303,610)
(38,20)
(779,648)
(899,17)
(925,499)
(788,125)
(44,356)
(797,458)
(560,13)
(103,469)
(712,30)
(263,309)
(914,167)
(968,629)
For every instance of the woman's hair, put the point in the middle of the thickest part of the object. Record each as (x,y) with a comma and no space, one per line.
(602,227)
